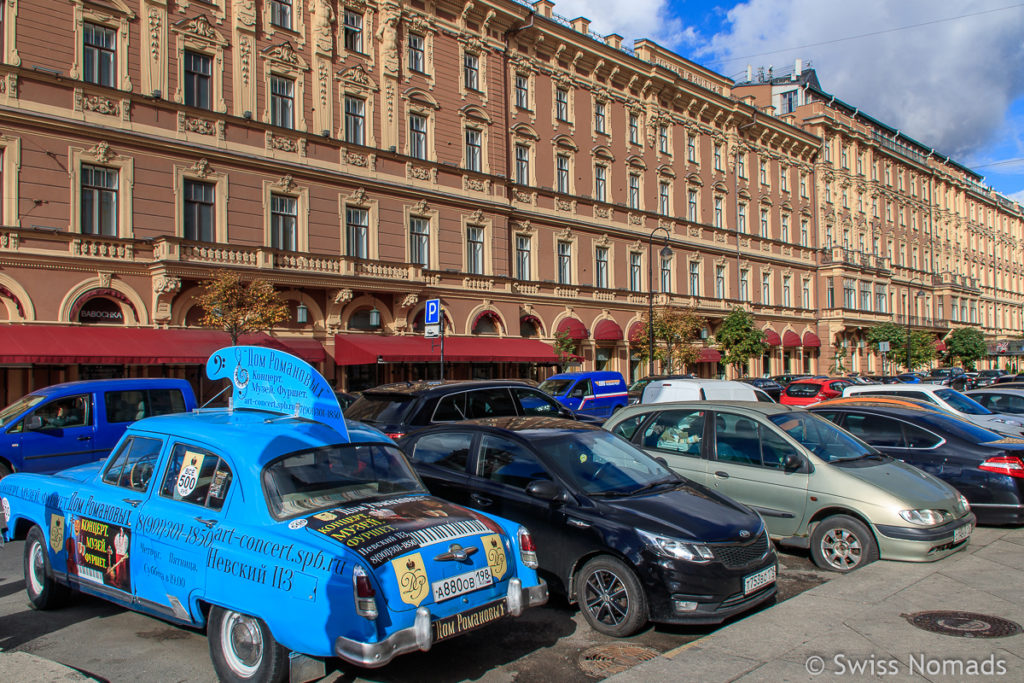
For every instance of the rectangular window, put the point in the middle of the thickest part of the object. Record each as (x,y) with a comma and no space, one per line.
(99,201)
(564,263)
(719,282)
(694,278)
(828,193)
(830,294)
(719,220)
(355,121)
(522,91)
(691,148)
(691,206)
(762,173)
(522,164)
(100,55)
(666,274)
(803,232)
(353,31)
(471,71)
(844,160)
(784,178)
(634,129)
(717,156)
(828,152)
(284,212)
(663,139)
(198,72)
(600,122)
(741,165)
(561,104)
(475,250)
(357,232)
(785,228)
(473,150)
(562,173)
(805,293)
(880,298)
(600,183)
(744,285)
(766,288)
(663,190)
(741,217)
(281,13)
(417,136)
(764,223)
(865,297)
(789,101)
(635,280)
(523,244)
(282,102)
(419,241)
(601,267)
(417,60)
(634,191)
(786,291)
(803,185)
(199,211)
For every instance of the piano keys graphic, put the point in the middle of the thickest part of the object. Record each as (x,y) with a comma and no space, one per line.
(448,532)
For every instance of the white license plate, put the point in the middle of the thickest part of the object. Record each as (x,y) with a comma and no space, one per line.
(461,584)
(962,533)
(759,580)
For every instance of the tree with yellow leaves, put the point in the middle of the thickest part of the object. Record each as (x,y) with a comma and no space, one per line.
(239,307)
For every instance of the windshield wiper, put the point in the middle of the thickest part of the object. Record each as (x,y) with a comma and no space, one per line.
(655,484)
(610,494)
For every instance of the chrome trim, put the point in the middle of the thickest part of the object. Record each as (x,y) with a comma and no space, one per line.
(374,655)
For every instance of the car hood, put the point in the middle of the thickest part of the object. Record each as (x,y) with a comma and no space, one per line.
(997,422)
(918,489)
(691,512)
(84,472)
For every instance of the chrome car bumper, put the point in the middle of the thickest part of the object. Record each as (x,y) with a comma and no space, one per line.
(420,636)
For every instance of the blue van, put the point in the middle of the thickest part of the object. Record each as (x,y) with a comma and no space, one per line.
(591,393)
(69,424)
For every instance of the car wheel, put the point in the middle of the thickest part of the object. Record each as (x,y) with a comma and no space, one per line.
(44,592)
(243,649)
(611,598)
(5,469)
(841,544)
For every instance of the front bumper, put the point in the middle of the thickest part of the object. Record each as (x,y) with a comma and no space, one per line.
(913,544)
(420,635)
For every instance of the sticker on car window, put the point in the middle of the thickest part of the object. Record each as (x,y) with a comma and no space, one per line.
(188,476)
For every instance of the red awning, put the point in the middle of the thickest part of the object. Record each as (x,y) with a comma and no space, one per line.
(940,345)
(607,330)
(64,344)
(709,356)
(772,337)
(811,340)
(576,329)
(635,330)
(364,349)
(790,339)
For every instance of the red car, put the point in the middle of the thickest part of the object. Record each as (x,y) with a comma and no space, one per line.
(806,392)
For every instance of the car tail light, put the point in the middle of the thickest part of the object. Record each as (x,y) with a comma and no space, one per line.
(394,436)
(366,602)
(1004,464)
(527,550)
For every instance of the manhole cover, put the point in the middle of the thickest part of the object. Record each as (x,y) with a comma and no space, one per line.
(964,624)
(607,660)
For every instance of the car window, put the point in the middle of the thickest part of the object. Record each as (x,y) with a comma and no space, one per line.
(1001,403)
(533,402)
(875,429)
(964,404)
(820,436)
(598,463)
(774,448)
(135,404)
(839,386)
(449,450)
(581,390)
(69,411)
(677,431)
(737,439)
(451,408)
(18,407)
(196,476)
(132,465)
(508,462)
(495,402)
(917,437)
(555,387)
(380,408)
(802,390)
(627,428)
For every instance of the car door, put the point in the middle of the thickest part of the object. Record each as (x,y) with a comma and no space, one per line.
(441,459)
(749,466)
(581,396)
(59,434)
(677,436)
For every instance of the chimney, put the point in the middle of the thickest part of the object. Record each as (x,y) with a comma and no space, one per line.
(750,74)
(581,24)
(543,8)
(799,68)
(614,39)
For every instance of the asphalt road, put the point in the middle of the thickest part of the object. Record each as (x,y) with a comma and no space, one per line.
(114,644)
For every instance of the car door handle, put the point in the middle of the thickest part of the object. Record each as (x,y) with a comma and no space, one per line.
(722,475)
(208,522)
(131,501)
(480,500)
(84,437)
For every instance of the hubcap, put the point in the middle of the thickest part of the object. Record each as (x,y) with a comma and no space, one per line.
(841,549)
(243,643)
(606,598)
(37,568)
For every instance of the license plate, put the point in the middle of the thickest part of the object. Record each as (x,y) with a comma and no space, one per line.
(759,580)
(962,533)
(463,583)
(449,627)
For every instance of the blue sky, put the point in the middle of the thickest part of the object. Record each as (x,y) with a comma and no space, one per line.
(948,73)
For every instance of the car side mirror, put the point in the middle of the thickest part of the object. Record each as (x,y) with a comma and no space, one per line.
(662,461)
(33,422)
(544,489)
(792,463)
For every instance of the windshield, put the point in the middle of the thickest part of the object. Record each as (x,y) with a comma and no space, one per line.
(326,477)
(962,403)
(959,427)
(24,403)
(555,387)
(597,462)
(381,408)
(821,437)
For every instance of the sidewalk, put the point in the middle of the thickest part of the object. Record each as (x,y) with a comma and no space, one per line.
(851,627)
(27,668)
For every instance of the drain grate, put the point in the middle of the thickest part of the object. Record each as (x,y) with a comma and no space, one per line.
(607,660)
(964,624)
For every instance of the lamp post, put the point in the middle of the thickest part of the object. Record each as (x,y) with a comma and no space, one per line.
(665,252)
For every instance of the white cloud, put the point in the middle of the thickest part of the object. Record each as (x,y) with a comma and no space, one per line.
(630,19)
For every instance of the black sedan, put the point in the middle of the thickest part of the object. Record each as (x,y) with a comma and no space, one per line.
(768,386)
(616,531)
(986,467)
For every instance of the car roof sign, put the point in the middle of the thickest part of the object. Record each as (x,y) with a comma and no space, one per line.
(277,382)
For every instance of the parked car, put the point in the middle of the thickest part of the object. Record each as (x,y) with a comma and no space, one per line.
(786,379)
(950,400)
(398,409)
(345,399)
(72,423)
(615,530)
(768,386)
(883,379)
(909,378)
(815,485)
(986,467)
(987,377)
(636,389)
(597,393)
(1004,379)
(277,533)
(1002,398)
(698,390)
(805,392)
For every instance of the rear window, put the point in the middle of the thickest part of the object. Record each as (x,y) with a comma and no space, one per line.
(802,390)
(382,408)
(135,404)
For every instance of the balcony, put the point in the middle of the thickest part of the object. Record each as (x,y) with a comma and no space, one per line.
(856,259)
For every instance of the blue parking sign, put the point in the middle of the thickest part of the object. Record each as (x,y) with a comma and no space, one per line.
(433,313)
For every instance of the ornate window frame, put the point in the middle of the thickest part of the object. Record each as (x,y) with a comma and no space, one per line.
(201,171)
(476,118)
(604,242)
(562,82)
(298,30)
(116,16)
(286,186)
(475,47)
(102,155)
(197,35)
(573,240)
(432,216)
(525,230)
(416,101)
(479,220)
(355,82)
(360,200)
(282,60)
(10,147)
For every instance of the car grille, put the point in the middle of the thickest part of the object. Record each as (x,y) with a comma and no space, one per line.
(737,555)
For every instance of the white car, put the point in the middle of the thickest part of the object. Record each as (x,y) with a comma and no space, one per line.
(947,399)
(671,390)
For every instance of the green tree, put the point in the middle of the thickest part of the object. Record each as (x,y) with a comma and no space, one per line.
(922,344)
(967,344)
(565,349)
(675,336)
(239,307)
(740,340)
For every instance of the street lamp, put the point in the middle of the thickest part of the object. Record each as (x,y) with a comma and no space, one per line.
(665,252)
(919,295)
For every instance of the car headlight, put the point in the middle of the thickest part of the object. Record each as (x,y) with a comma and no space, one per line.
(923,517)
(677,549)
(964,505)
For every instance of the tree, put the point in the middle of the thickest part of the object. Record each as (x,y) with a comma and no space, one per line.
(239,307)
(967,344)
(565,349)
(922,344)
(675,334)
(740,340)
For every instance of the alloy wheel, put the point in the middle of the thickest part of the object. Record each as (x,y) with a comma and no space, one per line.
(841,549)
(606,598)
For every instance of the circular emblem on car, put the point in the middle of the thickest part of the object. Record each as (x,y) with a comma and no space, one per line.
(7,509)
(744,534)
(296,523)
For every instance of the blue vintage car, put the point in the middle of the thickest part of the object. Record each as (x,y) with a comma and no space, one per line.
(281,534)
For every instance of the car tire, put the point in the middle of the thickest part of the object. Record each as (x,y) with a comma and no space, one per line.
(243,649)
(611,598)
(5,469)
(44,591)
(841,543)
